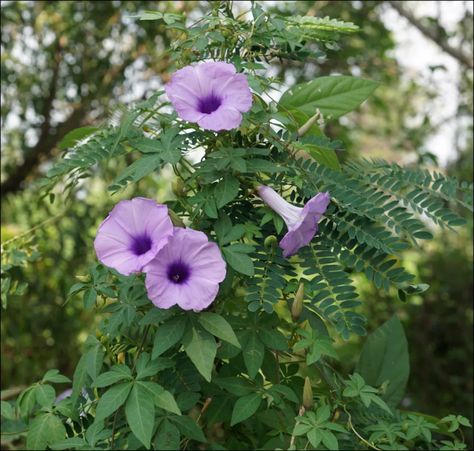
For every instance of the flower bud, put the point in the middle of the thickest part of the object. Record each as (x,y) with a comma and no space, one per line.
(121,357)
(309,123)
(297,306)
(178,188)
(85,278)
(270,241)
(175,219)
(307,394)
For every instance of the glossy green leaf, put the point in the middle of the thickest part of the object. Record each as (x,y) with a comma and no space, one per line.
(245,407)
(201,348)
(334,96)
(140,414)
(112,399)
(167,335)
(219,327)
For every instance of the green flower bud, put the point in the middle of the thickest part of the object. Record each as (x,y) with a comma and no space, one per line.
(175,219)
(297,306)
(307,394)
(178,188)
(270,241)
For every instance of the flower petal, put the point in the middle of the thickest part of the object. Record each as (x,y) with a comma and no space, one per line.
(224,118)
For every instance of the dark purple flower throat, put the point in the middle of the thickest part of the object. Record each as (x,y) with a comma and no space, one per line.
(141,245)
(209,104)
(178,272)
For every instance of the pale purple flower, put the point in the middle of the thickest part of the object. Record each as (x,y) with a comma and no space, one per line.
(211,94)
(302,223)
(186,272)
(132,234)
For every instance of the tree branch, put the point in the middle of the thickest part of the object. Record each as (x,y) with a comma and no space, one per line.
(458,54)
(43,148)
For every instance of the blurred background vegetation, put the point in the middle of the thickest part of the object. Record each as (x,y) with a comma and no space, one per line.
(71,64)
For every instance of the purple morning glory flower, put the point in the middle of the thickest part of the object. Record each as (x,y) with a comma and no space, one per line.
(211,94)
(132,234)
(302,223)
(187,272)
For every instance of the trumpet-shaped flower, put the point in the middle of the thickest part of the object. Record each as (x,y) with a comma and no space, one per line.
(132,234)
(211,94)
(302,223)
(186,272)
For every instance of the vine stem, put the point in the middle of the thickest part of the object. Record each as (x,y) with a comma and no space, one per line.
(293,436)
(140,347)
(356,433)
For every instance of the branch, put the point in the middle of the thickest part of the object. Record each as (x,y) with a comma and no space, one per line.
(43,148)
(458,54)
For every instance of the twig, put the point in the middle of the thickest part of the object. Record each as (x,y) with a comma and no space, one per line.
(356,433)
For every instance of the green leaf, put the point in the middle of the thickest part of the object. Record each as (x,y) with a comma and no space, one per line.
(44,430)
(166,401)
(55,377)
(219,327)
(109,378)
(7,411)
(329,440)
(95,431)
(112,399)
(136,171)
(201,348)
(253,355)
(245,407)
(314,436)
(384,358)
(71,138)
(167,335)
(239,261)
(167,436)
(334,96)
(151,15)
(146,145)
(327,157)
(26,401)
(140,414)
(90,296)
(94,360)
(69,443)
(45,395)
(226,190)
(171,146)
(79,378)
(235,385)
(189,428)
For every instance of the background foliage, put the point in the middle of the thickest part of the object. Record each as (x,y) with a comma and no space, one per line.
(65,95)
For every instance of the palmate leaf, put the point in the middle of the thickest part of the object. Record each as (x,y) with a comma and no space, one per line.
(44,430)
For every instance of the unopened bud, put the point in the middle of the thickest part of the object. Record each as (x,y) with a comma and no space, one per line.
(308,124)
(83,278)
(270,241)
(307,394)
(297,306)
(178,188)
(121,357)
(175,219)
